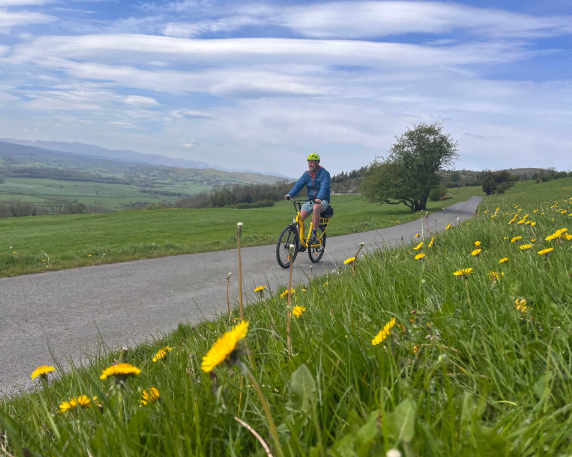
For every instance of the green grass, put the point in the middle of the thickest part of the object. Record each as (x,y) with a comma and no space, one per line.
(87,239)
(113,196)
(462,373)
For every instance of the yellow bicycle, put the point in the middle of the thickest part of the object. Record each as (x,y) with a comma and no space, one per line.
(294,234)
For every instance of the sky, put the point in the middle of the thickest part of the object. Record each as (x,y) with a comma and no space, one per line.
(261,84)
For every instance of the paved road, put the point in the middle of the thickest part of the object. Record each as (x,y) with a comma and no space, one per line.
(133,301)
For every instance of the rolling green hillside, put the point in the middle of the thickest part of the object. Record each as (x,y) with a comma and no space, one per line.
(35,175)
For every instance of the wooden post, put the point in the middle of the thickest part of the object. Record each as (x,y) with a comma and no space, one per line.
(289,317)
(239,233)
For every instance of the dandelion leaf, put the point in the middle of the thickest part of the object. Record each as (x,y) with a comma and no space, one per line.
(361,442)
(301,391)
(401,423)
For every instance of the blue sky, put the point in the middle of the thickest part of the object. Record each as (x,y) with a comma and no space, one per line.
(259,85)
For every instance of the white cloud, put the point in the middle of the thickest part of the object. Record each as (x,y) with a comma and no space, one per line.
(375,19)
(5,3)
(14,18)
(140,101)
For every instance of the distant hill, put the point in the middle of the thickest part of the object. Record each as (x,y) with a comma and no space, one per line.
(122,155)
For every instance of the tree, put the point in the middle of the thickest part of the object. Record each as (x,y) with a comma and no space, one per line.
(455,176)
(491,181)
(410,172)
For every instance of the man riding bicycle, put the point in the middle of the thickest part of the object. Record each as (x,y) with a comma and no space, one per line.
(317,180)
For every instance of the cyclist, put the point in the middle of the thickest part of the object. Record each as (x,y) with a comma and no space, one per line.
(317,180)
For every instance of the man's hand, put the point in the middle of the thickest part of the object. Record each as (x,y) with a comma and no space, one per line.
(287,197)
(318,201)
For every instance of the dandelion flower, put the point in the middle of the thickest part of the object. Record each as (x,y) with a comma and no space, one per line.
(515,239)
(225,347)
(521,306)
(464,272)
(533,240)
(417,235)
(525,247)
(121,371)
(431,243)
(82,401)
(522,221)
(285,293)
(42,371)
(260,289)
(383,333)
(350,260)
(503,260)
(476,252)
(419,246)
(162,353)
(478,244)
(150,396)
(494,276)
(420,256)
(298,311)
(448,227)
(415,349)
(546,251)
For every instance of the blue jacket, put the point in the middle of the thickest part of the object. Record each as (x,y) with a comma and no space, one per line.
(318,185)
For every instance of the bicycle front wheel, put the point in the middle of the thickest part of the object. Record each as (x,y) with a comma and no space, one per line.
(288,236)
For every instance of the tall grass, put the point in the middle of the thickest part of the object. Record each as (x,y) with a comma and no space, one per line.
(463,372)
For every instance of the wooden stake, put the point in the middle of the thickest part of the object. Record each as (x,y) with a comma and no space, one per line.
(239,233)
(228,295)
(289,317)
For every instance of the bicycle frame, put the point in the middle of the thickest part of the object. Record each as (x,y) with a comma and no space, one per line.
(299,222)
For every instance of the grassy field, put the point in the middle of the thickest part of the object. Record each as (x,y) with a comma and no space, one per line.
(87,239)
(114,197)
(473,365)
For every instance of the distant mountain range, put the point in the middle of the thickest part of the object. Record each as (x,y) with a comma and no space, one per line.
(124,155)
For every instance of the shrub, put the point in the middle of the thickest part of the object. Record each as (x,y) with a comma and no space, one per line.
(438,192)
(503,187)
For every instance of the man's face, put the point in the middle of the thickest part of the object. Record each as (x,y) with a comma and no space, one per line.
(312,165)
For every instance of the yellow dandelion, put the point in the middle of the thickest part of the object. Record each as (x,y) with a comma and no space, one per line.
(464,272)
(431,243)
(150,396)
(521,306)
(476,252)
(383,333)
(260,289)
(298,311)
(419,246)
(448,227)
(494,276)
(533,240)
(285,293)
(535,211)
(350,260)
(515,239)
(415,349)
(417,235)
(546,251)
(225,347)
(121,371)
(522,221)
(89,255)
(42,371)
(83,401)
(486,212)
(162,353)
(420,256)
(563,211)
(503,260)
(478,244)
(525,247)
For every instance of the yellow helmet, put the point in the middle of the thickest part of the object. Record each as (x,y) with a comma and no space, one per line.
(314,156)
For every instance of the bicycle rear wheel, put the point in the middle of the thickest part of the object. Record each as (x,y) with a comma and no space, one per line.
(316,252)
(288,236)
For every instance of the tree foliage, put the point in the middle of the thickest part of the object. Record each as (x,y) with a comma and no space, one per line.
(409,173)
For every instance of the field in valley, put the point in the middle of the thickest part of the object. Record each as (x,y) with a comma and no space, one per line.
(459,346)
(87,239)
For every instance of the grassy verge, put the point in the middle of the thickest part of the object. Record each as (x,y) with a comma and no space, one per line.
(478,366)
(35,244)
